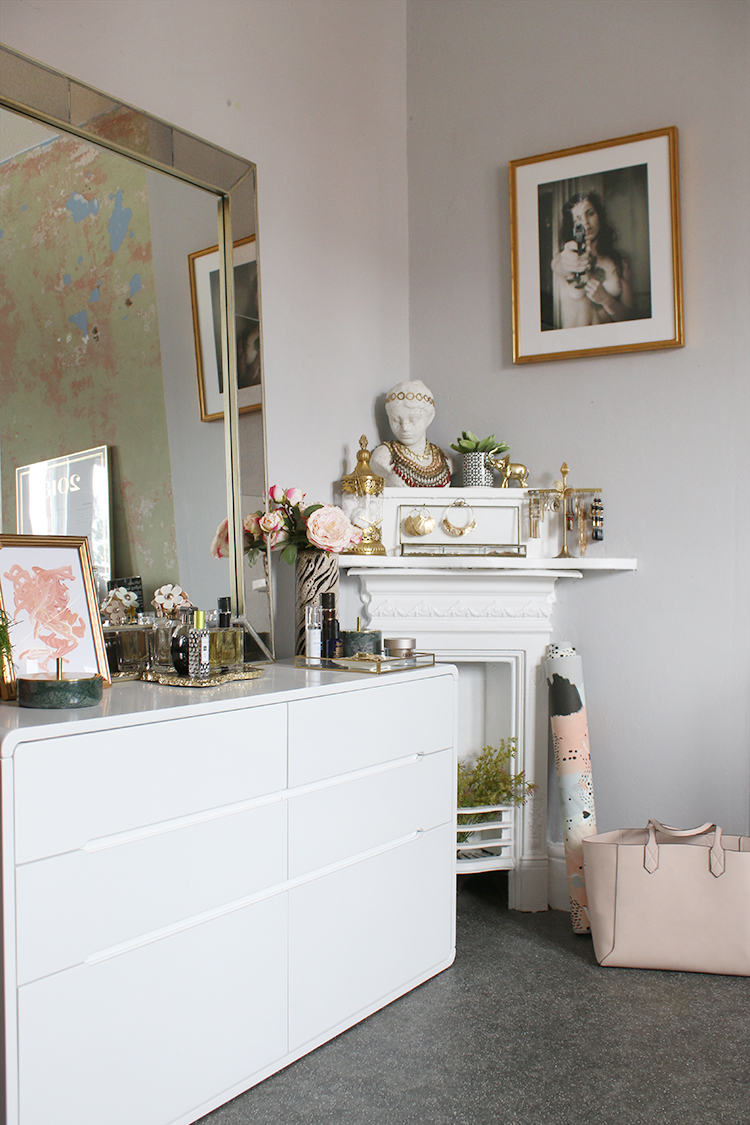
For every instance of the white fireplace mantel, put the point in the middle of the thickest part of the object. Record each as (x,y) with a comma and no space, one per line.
(492,617)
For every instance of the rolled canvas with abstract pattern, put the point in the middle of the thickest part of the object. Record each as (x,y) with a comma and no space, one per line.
(570,735)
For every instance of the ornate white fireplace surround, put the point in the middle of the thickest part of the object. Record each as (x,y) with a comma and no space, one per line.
(492,617)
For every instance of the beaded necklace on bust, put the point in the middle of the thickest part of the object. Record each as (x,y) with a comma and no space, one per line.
(428,469)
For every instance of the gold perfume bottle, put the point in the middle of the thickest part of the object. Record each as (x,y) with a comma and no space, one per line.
(226,642)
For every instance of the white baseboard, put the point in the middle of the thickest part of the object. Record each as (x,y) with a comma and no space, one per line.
(557,877)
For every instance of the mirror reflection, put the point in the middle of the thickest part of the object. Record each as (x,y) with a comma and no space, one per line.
(98,345)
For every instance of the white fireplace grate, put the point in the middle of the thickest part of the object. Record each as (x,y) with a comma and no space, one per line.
(489,845)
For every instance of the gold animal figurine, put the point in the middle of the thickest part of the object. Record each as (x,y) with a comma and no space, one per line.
(508,471)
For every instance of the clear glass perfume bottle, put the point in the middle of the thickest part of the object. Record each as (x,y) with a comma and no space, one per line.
(130,648)
(179,641)
(227,641)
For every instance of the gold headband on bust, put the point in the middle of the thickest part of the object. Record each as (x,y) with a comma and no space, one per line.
(410,396)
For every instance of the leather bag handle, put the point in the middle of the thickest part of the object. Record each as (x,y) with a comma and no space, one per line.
(651,849)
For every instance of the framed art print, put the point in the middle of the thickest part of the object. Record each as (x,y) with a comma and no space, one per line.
(70,495)
(47,591)
(595,245)
(204,291)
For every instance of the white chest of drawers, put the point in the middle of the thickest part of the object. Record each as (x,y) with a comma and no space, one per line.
(198,892)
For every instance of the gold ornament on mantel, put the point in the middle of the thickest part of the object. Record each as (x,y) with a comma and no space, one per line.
(362,501)
(569,501)
(420,522)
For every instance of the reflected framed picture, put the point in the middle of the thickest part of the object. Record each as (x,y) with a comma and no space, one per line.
(595,249)
(204,291)
(70,495)
(47,591)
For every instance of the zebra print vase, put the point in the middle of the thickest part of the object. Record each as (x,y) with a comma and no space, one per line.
(317,572)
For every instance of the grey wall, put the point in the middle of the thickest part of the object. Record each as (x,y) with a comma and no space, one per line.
(664,433)
(315,93)
(183,220)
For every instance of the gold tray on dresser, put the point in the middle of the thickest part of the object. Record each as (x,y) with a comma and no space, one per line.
(171,679)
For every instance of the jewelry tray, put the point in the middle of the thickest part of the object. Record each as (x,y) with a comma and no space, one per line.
(171,679)
(371,665)
(499,550)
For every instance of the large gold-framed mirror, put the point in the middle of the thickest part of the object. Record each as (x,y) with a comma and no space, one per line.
(106,210)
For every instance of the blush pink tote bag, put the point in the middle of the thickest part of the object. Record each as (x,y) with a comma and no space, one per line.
(666,898)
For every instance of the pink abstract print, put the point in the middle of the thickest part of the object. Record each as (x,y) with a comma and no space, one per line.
(44,597)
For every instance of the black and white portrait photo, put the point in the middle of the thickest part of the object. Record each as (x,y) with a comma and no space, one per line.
(595,249)
(594,265)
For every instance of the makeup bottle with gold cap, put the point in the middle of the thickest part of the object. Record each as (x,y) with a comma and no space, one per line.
(199,647)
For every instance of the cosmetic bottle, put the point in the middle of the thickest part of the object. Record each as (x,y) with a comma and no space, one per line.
(227,641)
(313,632)
(331,638)
(199,648)
(179,642)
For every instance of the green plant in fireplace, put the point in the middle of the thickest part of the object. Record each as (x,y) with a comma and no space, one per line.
(490,781)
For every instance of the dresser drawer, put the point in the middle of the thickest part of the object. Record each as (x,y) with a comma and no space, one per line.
(77,904)
(329,825)
(363,934)
(79,788)
(149,1037)
(347,731)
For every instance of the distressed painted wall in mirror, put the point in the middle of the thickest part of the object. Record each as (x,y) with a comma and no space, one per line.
(97,326)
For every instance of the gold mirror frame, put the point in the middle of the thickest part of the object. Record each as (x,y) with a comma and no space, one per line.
(40,92)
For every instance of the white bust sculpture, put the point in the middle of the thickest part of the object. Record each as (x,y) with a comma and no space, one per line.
(411,461)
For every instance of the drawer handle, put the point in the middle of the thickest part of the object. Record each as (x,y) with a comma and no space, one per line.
(249,900)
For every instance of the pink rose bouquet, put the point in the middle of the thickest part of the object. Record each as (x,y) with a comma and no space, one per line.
(291,525)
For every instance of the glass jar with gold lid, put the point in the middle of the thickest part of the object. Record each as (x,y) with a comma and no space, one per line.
(362,502)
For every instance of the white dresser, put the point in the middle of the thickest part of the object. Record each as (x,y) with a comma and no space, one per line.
(200,887)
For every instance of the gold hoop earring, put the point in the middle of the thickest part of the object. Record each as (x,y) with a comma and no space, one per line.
(420,522)
(451,528)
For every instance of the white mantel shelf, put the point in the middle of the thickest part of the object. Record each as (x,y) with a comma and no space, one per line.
(563,568)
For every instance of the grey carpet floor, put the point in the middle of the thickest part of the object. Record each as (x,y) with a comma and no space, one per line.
(526,1029)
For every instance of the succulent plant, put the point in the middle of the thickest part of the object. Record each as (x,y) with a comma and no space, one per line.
(470,443)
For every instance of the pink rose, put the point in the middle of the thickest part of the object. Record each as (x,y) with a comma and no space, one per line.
(295,496)
(251,525)
(220,545)
(277,537)
(276,494)
(329,529)
(271,522)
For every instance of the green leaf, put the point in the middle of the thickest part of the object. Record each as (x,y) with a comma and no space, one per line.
(5,624)
(289,553)
(491,782)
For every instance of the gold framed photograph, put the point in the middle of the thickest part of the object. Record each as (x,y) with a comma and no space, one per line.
(204,292)
(47,591)
(595,247)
